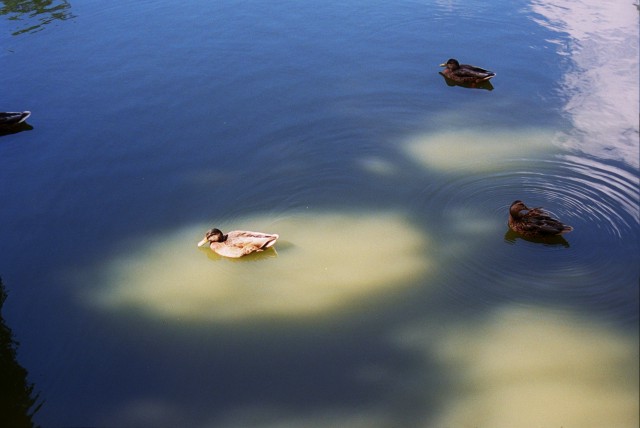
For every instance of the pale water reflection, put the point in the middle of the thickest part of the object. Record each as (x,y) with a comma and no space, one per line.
(378,166)
(476,150)
(601,84)
(518,366)
(324,262)
(529,367)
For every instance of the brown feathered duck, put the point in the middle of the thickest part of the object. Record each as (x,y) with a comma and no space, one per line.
(237,243)
(465,73)
(534,222)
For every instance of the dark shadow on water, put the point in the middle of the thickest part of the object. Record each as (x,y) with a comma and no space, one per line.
(15,129)
(480,85)
(551,241)
(34,15)
(18,403)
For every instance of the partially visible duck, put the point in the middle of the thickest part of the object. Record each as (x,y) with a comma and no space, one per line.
(237,243)
(9,118)
(534,222)
(465,73)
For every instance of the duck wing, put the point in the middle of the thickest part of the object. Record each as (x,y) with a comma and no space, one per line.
(467,70)
(242,242)
(537,220)
(246,237)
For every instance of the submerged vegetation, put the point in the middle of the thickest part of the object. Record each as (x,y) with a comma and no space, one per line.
(35,14)
(18,402)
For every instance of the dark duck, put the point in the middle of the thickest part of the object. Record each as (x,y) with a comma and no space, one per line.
(534,222)
(464,73)
(10,119)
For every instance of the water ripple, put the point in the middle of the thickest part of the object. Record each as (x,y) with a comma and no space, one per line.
(599,200)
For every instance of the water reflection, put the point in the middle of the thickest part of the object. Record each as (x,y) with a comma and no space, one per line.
(472,213)
(325,262)
(601,86)
(480,85)
(16,129)
(34,15)
(377,166)
(476,151)
(533,367)
(511,237)
(277,417)
(517,366)
(605,194)
(18,402)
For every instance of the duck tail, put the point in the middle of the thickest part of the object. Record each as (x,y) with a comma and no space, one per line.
(566,229)
(25,114)
(271,241)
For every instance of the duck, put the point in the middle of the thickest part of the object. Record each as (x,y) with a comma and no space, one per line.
(534,222)
(465,73)
(13,118)
(237,243)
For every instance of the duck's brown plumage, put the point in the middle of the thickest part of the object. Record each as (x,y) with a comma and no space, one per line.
(534,221)
(237,243)
(465,73)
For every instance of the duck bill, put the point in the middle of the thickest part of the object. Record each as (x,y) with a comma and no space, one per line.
(203,242)
(443,65)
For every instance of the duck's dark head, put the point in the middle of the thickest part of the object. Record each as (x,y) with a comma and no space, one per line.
(451,64)
(212,235)
(516,207)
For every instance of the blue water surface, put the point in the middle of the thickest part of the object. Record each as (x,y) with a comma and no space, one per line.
(151,116)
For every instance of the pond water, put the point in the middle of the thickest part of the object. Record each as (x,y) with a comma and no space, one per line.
(396,295)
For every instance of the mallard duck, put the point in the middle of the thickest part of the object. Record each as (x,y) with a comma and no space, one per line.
(237,243)
(9,118)
(465,73)
(534,222)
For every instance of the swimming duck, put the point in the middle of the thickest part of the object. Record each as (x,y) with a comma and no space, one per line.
(237,243)
(465,73)
(534,222)
(11,118)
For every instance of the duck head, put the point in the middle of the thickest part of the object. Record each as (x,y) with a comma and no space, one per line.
(516,207)
(212,235)
(451,64)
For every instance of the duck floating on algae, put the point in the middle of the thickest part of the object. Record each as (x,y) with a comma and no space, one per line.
(237,243)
